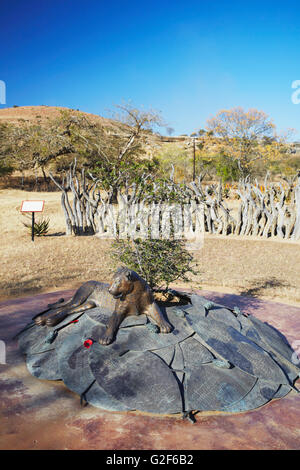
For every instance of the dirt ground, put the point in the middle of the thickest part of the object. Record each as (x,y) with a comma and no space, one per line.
(266,269)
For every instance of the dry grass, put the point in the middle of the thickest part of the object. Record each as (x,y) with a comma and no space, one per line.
(266,269)
(34,114)
(260,268)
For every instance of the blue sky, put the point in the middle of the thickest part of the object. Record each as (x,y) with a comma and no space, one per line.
(187,59)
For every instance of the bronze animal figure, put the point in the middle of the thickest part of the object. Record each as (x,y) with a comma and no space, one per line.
(128,294)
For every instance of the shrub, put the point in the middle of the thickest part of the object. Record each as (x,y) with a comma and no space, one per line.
(5,169)
(227,168)
(159,262)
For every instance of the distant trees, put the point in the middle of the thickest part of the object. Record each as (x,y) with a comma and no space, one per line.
(6,166)
(119,155)
(33,146)
(180,157)
(246,137)
(111,154)
(234,144)
(113,151)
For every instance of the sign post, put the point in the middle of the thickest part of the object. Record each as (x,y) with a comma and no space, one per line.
(32,206)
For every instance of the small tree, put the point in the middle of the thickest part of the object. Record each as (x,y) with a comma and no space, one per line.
(33,146)
(6,163)
(227,168)
(119,154)
(160,262)
(246,136)
(173,154)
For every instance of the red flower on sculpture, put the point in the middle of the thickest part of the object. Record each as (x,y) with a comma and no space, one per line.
(88,343)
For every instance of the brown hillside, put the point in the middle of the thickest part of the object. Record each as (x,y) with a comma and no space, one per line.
(42,113)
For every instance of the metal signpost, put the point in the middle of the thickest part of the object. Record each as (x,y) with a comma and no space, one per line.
(32,206)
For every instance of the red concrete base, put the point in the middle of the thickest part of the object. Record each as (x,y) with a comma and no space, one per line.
(41,414)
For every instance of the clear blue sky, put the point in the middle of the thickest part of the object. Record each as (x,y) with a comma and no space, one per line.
(187,59)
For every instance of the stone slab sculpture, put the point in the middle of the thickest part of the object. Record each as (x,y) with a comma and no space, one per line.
(119,350)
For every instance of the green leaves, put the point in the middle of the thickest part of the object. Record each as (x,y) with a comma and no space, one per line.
(159,261)
(41,227)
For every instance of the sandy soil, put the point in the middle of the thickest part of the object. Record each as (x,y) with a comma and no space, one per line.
(264,268)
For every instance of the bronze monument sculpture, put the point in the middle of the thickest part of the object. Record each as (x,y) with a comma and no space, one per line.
(106,344)
(129,295)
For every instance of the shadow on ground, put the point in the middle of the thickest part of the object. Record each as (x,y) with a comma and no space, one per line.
(260,286)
